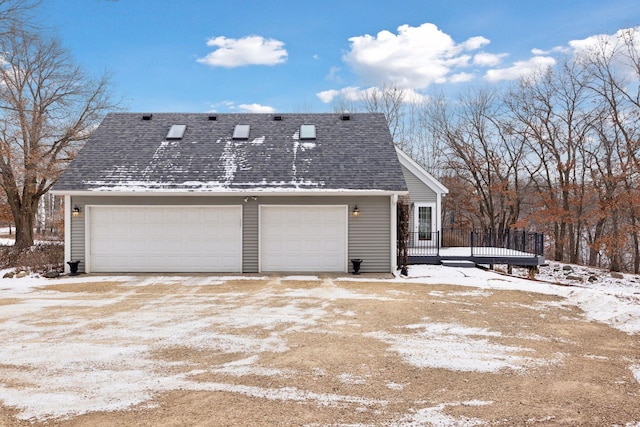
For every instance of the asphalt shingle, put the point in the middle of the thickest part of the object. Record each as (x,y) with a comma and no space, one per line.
(127,153)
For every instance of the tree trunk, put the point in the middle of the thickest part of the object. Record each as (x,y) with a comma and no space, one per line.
(614,251)
(559,234)
(24,228)
(593,250)
(403,233)
(636,254)
(24,216)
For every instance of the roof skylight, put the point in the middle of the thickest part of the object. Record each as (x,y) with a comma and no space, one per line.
(308,132)
(241,132)
(176,131)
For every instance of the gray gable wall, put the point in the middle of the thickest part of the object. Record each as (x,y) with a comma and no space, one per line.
(129,154)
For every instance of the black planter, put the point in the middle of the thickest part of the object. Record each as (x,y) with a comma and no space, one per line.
(73,266)
(356,265)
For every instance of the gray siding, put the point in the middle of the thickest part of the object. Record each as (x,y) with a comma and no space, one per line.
(369,234)
(418,190)
(250,237)
(77,236)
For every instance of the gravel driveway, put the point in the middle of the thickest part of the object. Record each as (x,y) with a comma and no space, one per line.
(316,351)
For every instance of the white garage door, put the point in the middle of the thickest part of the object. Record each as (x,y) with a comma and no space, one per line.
(165,239)
(303,238)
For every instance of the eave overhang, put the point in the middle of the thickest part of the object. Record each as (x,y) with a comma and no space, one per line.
(230,193)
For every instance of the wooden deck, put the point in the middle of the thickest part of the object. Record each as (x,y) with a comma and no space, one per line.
(482,256)
(471,247)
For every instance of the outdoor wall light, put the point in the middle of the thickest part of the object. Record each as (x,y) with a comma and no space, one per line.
(355,212)
(76,211)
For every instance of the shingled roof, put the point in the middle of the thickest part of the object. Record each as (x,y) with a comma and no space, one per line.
(130,152)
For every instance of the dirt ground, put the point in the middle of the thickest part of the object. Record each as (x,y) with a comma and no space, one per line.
(361,354)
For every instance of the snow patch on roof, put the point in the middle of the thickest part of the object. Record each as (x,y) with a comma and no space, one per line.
(228,162)
(208,186)
(232,159)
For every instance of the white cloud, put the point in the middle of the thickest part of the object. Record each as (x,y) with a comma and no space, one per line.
(461,77)
(246,108)
(356,94)
(557,49)
(327,96)
(542,58)
(520,68)
(413,97)
(256,108)
(609,41)
(485,59)
(475,43)
(333,74)
(250,50)
(349,93)
(226,104)
(414,58)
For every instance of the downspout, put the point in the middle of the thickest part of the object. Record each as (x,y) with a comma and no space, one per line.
(394,233)
(67,233)
(439,214)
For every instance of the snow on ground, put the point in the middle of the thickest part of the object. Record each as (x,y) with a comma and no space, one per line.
(456,348)
(435,416)
(615,302)
(104,363)
(10,241)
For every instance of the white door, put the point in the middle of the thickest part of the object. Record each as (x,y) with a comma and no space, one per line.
(424,221)
(303,238)
(164,238)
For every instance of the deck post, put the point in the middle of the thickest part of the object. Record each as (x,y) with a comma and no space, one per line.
(471,242)
(540,248)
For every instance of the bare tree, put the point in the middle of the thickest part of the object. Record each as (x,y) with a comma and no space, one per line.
(12,14)
(423,143)
(343,104)
(389,100)
(482,153)
(554,115)
(48,106)
(614,67)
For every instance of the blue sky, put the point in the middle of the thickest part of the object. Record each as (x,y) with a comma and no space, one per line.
(293,56)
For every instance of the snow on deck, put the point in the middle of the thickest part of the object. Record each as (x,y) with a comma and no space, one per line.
(467,252)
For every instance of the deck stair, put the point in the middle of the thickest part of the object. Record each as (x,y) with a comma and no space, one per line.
(458,263)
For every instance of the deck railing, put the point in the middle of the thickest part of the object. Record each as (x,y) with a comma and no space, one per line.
(509,242)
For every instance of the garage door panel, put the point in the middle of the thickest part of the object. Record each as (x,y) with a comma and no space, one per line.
(176,216)
(165,239)
(303,238)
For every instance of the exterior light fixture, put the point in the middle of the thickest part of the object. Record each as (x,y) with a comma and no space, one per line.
(355,212)
(76,211)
